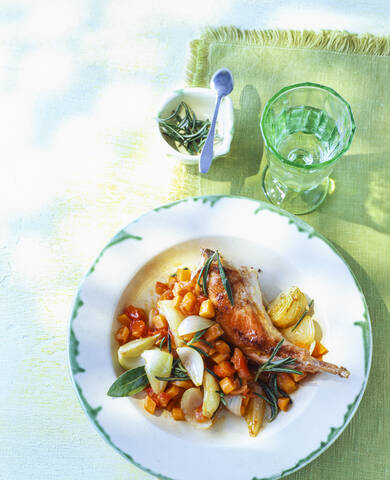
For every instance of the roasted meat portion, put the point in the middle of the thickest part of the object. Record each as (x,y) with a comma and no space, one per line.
(247,324)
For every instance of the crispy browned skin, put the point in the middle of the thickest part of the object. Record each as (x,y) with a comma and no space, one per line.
(247,324)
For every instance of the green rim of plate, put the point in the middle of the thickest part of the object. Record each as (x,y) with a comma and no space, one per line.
(303,227)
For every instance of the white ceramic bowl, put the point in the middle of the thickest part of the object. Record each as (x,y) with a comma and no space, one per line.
(202,102)
(289,252)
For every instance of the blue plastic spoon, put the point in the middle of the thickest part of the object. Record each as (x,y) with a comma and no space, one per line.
(222,82)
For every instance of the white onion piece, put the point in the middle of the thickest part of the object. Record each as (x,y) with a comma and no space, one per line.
(303,335)
(211,397)
(233,403)
(193,363)
(136,347)
(157,364)
(130,363)
(174,318)
(193,324)
(190,401)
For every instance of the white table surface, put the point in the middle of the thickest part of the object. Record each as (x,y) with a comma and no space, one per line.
(79,84)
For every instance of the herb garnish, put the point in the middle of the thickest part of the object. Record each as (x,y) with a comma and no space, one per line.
(203,274)
(278,365)
(187,130)
(169,342)
(129,383)
(179,373)
(213,374)
(196,337)
(162,343)
(222,395)
(303,315)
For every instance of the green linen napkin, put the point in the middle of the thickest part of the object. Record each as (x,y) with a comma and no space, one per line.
(356,217)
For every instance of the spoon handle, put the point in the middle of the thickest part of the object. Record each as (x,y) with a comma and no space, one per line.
(206,157)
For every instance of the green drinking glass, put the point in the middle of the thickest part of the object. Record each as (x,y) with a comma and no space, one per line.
(306,128)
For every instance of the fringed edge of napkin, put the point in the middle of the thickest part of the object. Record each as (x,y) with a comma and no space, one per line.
(328,40)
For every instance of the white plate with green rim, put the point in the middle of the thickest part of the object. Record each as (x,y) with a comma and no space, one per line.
(289,252)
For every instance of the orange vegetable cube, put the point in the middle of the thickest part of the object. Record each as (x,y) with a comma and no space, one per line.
(172,391)
(171,281)
(286,383)
(167,295)
(203,346)
(177,414)
(161,287)
(283,403)
(297,378)
(135,313)
(206,309)
(183,275)
(240,364)
(124,319)
(319,350)
(188,302)
(222,347)
(177,301)
(183,384)
(159,321)
(224,369)
(227,385)
(180,288)
(150,405)
(122,335)
(138,328)
(213,333)
(220,357)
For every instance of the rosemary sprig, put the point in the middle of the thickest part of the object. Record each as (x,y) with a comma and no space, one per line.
(199,350)
(196,337)
(172,379)
(272,399)
(203,274)
(278,365)
(169,344)
(303,315)
(213,374)
(162,343)
(222,395)
(185,129)
(225,281)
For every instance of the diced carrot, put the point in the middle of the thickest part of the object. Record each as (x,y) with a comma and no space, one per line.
(283,403)
(199,417)
(206,348)
(183,275)
(173,403)
(171,281)
(124,319)
(227,385)
(167,295)
(319,350)
(176,302)
(122,335)
(161,287)
(159,321)
(213,333)
(286,383)
(222,347)
(172,391)
(135,313)
(224,369)
(188,302)
(177,414)
(138,328)
(181,288)
(206,309)
(220,357)
(183,384)
(150,405)
(297,378)
(240,364)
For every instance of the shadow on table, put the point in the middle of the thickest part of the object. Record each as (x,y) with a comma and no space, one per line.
(246,150)
(362,186)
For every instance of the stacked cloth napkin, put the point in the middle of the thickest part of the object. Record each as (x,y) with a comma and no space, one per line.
(356,217)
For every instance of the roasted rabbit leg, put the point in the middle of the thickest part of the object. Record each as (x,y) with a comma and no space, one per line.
(247,324)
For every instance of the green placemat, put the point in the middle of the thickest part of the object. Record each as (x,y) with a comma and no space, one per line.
(356,217)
